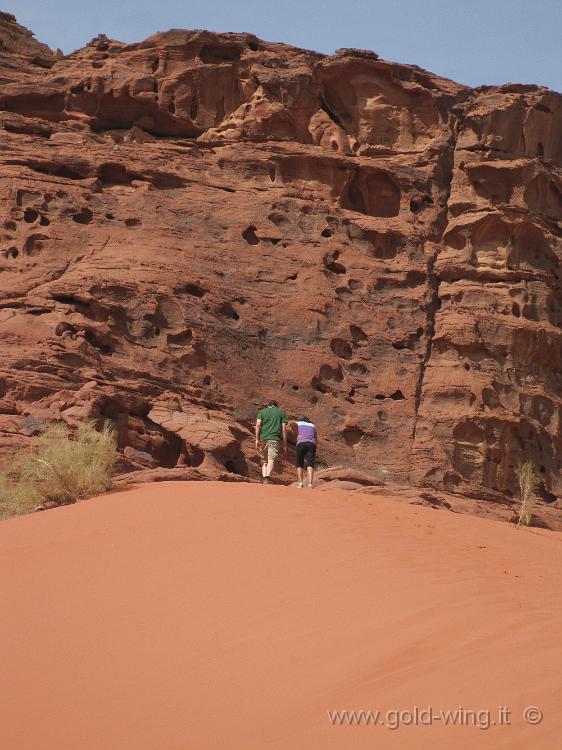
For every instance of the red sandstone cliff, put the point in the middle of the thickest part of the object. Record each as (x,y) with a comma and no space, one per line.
(195,222)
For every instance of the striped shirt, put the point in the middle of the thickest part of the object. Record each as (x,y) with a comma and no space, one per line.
(306,432)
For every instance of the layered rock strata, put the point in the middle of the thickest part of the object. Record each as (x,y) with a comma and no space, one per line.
(197,222)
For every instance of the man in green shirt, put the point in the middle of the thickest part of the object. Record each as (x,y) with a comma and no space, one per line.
(271,426)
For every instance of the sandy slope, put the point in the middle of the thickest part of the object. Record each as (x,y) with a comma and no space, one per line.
(181,616)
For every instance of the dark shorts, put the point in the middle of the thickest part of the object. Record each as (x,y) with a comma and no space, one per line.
(306,452)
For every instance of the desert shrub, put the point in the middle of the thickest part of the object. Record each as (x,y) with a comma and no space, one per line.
(61,468)
(528,482)
(380,472)
(16,497)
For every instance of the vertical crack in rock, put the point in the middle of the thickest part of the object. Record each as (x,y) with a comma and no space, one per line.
(432,305)
(331,114)
(433,302)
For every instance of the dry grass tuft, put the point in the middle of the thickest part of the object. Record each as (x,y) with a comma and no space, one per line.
(61,468)
(528,482)
(16,498)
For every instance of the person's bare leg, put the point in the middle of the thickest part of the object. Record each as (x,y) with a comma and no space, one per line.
(263,470)
(310,471)
(269,467)
(300,474)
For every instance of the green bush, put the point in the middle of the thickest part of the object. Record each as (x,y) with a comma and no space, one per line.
(61,468)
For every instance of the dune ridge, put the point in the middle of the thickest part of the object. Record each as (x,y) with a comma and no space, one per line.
(205,615)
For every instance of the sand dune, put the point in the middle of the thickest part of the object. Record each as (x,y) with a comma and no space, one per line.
(195,616)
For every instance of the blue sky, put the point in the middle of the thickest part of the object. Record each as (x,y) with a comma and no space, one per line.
(472,41)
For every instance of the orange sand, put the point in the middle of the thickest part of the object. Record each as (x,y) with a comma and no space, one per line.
(195,616)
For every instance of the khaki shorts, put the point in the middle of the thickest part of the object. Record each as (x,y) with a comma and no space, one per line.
(269,450)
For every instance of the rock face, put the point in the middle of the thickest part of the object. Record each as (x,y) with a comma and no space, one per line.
(200,221)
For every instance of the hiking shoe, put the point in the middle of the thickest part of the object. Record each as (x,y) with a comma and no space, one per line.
(266,480)
(310,487)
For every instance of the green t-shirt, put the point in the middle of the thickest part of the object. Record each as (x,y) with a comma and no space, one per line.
(271,420)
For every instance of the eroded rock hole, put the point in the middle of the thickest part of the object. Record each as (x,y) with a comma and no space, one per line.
(419,202)
(352,435)
(545,495)
(276,218)
(327,372)
(212,54)
(65,299)
(164,447)
(193,455)
(84,216)
(373,193)
(98,342)
(237,466)
(35,244)
(358,369)
(396,396)
(181,339)
(114,174)
(343,290)
(194,290)
(30,215)
(331,264)
(228,311)
(249,234)
(194,107)
(67,173)
(358,335)
(341,348)
(384,245)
